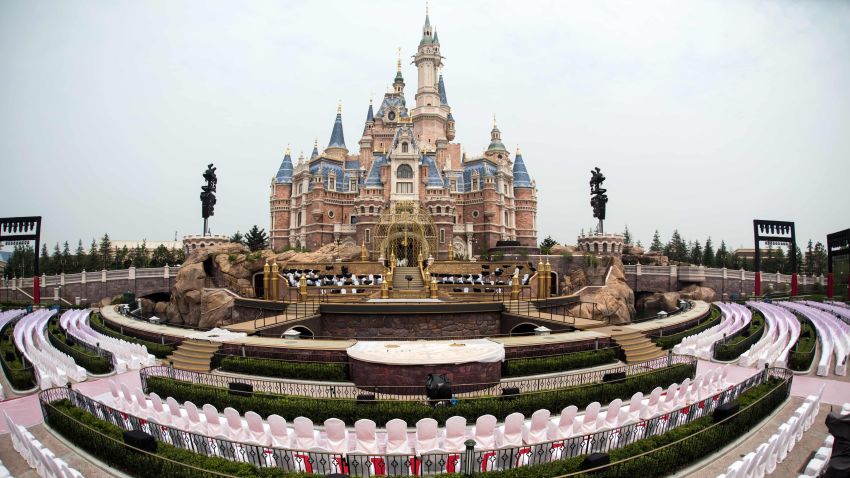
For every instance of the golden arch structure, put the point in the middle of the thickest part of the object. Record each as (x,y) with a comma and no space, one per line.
(405,231)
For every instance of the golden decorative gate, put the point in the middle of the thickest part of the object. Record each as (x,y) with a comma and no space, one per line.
(405,231)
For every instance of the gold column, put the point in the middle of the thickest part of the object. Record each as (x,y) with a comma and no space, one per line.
(385,290)
(266,273)
(515,285)
(548,279)
(364,254)
(274,280)
(541,281)
(302,289)
(434,288)
(450,253)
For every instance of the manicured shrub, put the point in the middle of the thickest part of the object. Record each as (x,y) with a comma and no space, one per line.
(381,411)
(742,341)
(158,350)
(336,372)
(94,364)
(19,376)
(558,363)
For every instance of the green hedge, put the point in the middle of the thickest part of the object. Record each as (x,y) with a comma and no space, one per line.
(347,410)
(741,342)
(158,350)
(558,363)
(669,341)
(678,455)
(95,364)
(19,377)
(87,432)
(337,372)
(800,357)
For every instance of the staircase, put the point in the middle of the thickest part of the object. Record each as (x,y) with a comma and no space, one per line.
(635,345)
(193,355)
(400,283)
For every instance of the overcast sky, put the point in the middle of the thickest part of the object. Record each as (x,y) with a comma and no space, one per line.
(702,115)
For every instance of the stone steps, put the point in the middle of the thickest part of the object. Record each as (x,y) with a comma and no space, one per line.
(193,355)
(636,346)
(401,283)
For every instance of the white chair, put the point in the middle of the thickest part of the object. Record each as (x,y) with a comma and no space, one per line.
(365,437)
(305,436)
(427,435)
(157,410)
(633,412)
(566,425)
(278,431)
(485,432)
(213,420)
(193,419)
(256,430)
(235,427)
(652,405)
(397,441)
(455,435)
(589,419)
(609,420)
(512,431)
(538,428)
(113,390)
(176,415)
(336,436)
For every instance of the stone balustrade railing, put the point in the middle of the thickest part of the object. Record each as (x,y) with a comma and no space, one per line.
(85,277)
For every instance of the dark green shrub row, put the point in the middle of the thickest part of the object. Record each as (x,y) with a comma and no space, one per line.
(741,342)
(381,411)
(336,372)
(158,350)
(669,341)
(801,356)
(95,364)
(558,363)
(20,377)
(105,441)
(761,400)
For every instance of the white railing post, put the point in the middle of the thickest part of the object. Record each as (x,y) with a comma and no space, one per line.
(165,271)
(131,273)
(83,276)
(103,275)
(62,279)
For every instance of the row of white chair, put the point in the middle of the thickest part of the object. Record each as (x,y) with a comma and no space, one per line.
(835,308)
(37,456)
(763,461)
(734,317)
(125,355)
(816,466)
(833,334)
(7,316)
(52,367)
(516,430)
(783,330)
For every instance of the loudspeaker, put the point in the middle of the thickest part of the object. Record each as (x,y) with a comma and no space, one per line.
(726,410)
(510,393)
(613,377)
(140,440)
(241,389)
(10,356)
(594,460)
(366,399)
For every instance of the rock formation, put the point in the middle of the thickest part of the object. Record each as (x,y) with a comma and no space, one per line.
(616,301)
(668,301)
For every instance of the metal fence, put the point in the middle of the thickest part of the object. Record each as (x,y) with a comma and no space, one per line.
(468,390)
(468,462)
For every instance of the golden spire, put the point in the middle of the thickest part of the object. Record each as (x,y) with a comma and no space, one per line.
(287,149)
(494,120)
(339,108)
(398,61)
(517,150)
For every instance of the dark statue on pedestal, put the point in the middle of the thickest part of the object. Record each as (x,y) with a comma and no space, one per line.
(598,197)
(208,196)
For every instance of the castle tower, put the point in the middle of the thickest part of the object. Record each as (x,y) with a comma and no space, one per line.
(496,150)
(281,191)
(525,200)
(336,146)
(429,118)
(367,141)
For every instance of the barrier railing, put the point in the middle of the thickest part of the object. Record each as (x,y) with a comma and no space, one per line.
(385,392)
(469,462)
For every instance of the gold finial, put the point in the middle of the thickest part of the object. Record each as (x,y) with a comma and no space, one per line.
(287,150)
(426,7)
(494,120)
(316,142)
(398,61)
(370,98)
(517,150)
(339,107)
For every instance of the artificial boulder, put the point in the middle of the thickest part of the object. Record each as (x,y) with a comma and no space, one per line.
(615,303)
(695,292)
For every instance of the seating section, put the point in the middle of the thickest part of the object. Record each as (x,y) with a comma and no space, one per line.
(315,278)
(52,367)
(125,355)
(37,456)
(838,309)
(763,460)
(6,317)
(818,463)
(833,334)
(429,438)
(783,330)
(733,319)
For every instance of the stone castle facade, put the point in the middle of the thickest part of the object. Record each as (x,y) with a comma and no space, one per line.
(405,154)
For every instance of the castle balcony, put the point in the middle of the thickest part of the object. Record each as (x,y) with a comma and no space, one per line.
(345,229)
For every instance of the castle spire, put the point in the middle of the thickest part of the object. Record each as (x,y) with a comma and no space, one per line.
(284,173)
(441,88)
(315,152)
(426,29)
(337,138)
(496,138)
(369,114)
(521,176)
(398,83)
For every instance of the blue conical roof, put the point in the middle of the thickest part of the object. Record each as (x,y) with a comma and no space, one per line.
(284,173)
(315,152)
(521,177)
(441,88)
(370,116)
(337,138)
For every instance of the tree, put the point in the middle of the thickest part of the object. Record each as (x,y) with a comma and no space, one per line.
(798,254)
(56,259)
(178,256)
(122,258)
(92,260)
(140,255)
(708,253)
(79,257)
(696,254)
(676,249)
(721,257)
(160,256)
(639,244)
(820,259)
(256,239)
(810,256)
(44,261)
(656,245)
(237,238)
(627,236)
(545,246)
(67,264)
(104,252)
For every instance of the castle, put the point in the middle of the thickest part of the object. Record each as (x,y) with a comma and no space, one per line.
(408,180)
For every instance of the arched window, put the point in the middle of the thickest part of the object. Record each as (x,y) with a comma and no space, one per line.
(298,224)
(439,210)
(506,219)
(404,172)
(403,147)
(362,209)
(371,209)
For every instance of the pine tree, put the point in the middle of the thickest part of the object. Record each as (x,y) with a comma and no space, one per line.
(141,255)
(105,252)
(696,254)
(256,239)
(708,253)
(627,236)
(160,256)
(67,264)
(656,245)
(122,258)
(820,259)
(92,260)
(80,257)
(545,246)
(810,256)
(238,238)
(56,259)
(44,265)
(721,258)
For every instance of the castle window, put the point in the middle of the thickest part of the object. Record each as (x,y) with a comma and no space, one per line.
(453,185)
(352,185)
(474,213)
(476,184)
(332,182)
(371,209)
(507,222)
(505,187)
(362,209)
(353,219)
(298,223)
(368,236)
(331,214)
(404,188)
(439,210)
(404,171)
(442,236)
(403,147)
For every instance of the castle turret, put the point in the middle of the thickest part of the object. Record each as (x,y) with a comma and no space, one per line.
(315,153)
(398,81)
(336,146)
(281,191)
(428,117)
(525,199)
(444,105)
(367,140)
(496,149)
